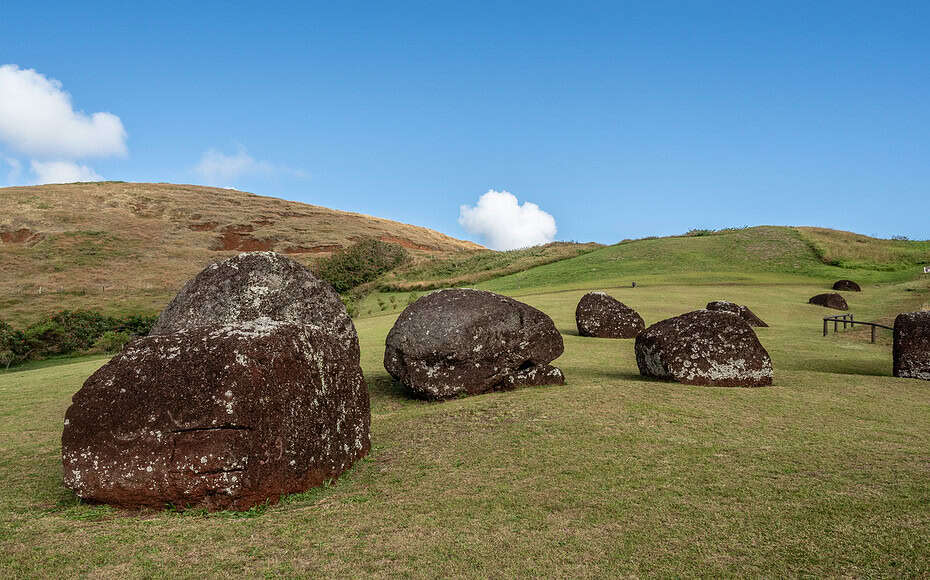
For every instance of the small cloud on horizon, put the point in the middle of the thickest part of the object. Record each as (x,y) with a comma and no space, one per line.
(62,172)
(505,224)
(218,169)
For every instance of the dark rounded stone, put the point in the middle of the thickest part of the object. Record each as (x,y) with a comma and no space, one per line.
(249,387)
(704,348)
(256,285)
(603,316)
(911,350)
(742,311)
(830,300)
(847,286)
(465,342)
(219,417)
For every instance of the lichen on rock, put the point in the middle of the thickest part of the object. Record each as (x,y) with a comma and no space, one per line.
(464,342)
(704,347)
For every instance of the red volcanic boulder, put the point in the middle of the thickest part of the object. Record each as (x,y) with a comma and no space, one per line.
(465,342)
(257,285)
(733,308)
(704,348)
(217,417)
(830,300)
(912,345)
(603,316)
(846,285)
(267,400)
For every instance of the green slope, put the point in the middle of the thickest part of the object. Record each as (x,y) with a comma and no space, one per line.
(765,254)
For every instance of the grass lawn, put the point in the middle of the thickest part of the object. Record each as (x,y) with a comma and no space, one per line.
(825,473)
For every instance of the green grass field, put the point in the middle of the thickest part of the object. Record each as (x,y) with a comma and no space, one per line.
(826,473)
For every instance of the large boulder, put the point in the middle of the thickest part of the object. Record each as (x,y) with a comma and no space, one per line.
(465,342)
(223,415)
(256,285)
(846,285)
(704,348)
(603,316)
(742,311)
(830,300)
(912,345)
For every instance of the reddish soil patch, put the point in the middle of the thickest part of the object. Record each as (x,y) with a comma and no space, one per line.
(406,243)
(238,238)
(20,236)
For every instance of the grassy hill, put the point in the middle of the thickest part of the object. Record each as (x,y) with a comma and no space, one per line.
(825,473)
(738,255)
(128,247)
(758,255)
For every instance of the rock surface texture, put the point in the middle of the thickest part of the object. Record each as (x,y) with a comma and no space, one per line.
(257,285)
(830,300)
(741,311)
(221,416)
(603,316)
(465,342)
(704,348)
(912,345)
(846,285)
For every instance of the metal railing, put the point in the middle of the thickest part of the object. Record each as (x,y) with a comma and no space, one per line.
(847,319)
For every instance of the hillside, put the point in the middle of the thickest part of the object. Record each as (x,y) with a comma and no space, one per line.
(747,254)
(130,246)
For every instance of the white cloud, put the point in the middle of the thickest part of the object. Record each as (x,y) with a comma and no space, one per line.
(216,167)
(37,119)
(505,224)
(219,169)
(62,172)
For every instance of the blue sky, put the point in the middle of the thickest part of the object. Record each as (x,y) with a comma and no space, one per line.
(619,119)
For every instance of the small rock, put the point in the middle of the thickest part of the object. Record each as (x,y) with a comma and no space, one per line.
(830,300)
(704,348)
(847,286)
(603,316)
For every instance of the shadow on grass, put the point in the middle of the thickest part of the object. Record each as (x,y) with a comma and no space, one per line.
(385,387)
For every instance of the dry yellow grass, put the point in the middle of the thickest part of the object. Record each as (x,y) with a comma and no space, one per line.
(851,250)
(123,247)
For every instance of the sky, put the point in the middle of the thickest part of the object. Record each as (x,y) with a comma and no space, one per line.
(507,123)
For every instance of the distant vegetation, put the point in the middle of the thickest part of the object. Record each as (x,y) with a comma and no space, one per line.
(69,332)
(359,263)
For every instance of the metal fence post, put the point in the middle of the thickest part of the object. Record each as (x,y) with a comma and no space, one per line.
(825,327)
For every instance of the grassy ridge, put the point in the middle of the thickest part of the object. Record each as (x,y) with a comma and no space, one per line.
(761,254)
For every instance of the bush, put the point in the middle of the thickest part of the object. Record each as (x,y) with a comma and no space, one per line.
(10,345)
(359,263)
(699,232)
(68,332)
(112,341)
